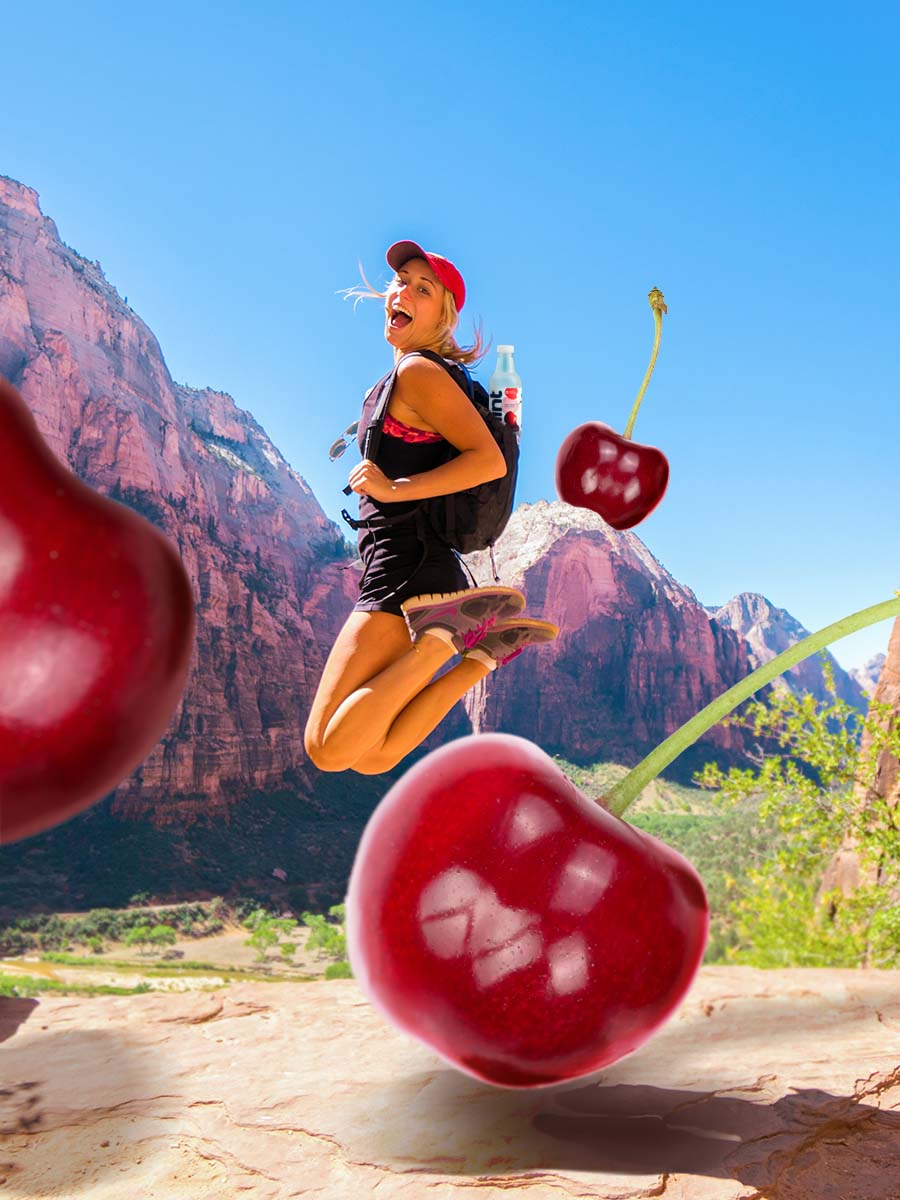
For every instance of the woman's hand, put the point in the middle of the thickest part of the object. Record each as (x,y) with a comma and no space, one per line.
(369,480)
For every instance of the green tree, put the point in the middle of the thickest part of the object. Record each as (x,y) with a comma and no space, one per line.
(262,939)
(266,931)
(138,935)
(162,935)
(811,795)
(330,938)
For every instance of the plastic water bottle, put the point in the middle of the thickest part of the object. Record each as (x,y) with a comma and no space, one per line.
(505,389)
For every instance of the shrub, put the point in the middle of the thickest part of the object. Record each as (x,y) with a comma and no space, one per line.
(811,799)
(329,937)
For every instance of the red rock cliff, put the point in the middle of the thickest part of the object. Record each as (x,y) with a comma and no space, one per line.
(637,654)
(271,581)
(846,871)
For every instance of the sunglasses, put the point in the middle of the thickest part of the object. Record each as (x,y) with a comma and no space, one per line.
(340,445)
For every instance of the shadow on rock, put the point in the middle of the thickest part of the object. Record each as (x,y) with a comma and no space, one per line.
(801,1145)
(14,1011)
(76,1078)
(796,1148)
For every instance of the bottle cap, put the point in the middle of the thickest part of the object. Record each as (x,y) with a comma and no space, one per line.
(506,349)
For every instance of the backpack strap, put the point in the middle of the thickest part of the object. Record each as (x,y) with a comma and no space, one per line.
(371,439)
(448,367)
(369,436)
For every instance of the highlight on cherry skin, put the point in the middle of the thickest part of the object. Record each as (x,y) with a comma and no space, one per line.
(514,926)
(96,634)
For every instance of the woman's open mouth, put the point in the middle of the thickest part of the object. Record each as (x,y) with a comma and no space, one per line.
(399,318)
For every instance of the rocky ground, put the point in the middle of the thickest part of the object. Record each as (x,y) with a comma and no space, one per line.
(778,1085)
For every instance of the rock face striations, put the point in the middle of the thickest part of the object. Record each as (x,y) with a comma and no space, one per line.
(887,775)
(768,630)
(637,653)
(846,871)
(271,578)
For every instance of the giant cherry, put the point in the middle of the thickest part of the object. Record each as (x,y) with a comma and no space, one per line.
(610,474)
(525,933)
(518,928)
(96,633)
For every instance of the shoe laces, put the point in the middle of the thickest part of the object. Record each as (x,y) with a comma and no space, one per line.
(510,657)
(473,636)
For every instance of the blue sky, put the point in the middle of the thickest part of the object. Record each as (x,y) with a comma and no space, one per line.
(229,166)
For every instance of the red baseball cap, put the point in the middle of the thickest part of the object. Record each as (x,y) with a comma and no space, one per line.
(402,252)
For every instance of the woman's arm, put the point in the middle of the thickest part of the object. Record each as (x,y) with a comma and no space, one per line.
(438,402)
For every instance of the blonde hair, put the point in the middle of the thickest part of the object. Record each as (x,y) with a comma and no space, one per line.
(445,344)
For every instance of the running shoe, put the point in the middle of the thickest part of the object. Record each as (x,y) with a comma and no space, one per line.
(461,619)
(507,639)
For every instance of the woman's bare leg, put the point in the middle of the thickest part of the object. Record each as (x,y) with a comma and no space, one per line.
(372,673)
(421,715)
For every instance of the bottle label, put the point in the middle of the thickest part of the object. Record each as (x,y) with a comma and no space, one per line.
(511,407)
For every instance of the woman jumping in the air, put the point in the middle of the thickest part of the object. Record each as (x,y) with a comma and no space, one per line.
(375,701)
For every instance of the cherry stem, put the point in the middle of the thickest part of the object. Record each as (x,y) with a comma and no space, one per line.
(658,304)
(629,788)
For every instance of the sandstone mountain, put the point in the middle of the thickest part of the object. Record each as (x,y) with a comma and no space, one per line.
(846,871)
(637,654)
(768,630)
(887,691)
(271,579)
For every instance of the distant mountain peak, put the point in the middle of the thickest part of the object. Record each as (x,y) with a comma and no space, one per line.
(769,630)
(868,675)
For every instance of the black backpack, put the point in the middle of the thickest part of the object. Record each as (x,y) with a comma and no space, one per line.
(466,521)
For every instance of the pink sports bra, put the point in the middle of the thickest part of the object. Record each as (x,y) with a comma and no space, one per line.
(407,433)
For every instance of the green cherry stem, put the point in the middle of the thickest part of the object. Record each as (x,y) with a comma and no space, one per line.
(629,788)
(658,304)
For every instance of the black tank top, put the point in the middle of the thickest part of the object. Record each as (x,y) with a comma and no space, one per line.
(397,458)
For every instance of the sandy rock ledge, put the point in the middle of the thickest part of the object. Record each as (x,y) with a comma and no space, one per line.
(768,1085)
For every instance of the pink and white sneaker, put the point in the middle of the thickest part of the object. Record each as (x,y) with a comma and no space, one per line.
(508,639)
(461,619)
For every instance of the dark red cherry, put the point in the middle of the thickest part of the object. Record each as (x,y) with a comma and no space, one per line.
(599,469)
(514,926)
(96,634)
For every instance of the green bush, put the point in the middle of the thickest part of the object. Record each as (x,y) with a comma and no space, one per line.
(723,846)
(329,937)
(810,799)
(163,935)
(138,936)
(338,970)
(266,930)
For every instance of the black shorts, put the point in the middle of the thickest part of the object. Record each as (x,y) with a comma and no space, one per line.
(390,573)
